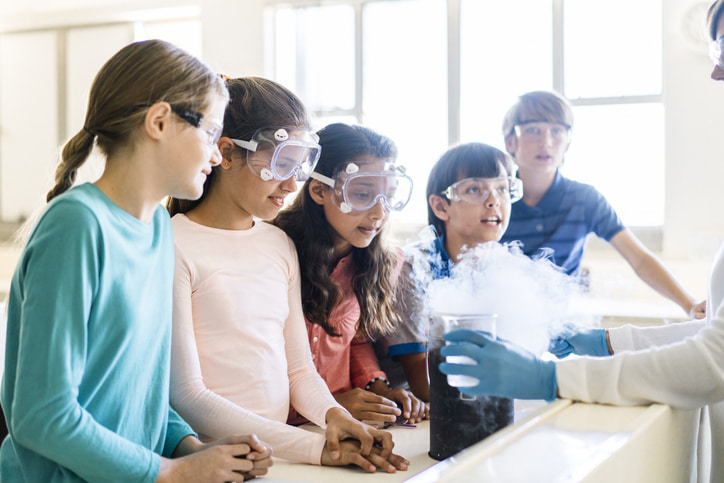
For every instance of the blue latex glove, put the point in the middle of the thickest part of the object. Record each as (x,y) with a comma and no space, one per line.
(581,341)
(503,369)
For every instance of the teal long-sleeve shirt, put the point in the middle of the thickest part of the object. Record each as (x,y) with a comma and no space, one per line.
(86,382)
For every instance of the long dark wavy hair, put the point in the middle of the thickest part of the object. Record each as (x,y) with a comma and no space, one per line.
(375,264)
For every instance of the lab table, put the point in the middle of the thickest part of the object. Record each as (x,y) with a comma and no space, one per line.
(556,442)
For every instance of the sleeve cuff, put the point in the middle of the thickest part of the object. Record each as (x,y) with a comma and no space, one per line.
(394,351)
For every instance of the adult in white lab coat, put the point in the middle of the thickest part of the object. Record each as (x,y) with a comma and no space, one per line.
(681,364)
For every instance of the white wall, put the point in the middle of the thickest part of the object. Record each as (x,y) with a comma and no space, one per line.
(694,142)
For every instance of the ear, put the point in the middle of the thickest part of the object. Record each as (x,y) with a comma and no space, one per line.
(156,122)
(439,206)
(511,143)
(318,191)
(226,148)
(570,138)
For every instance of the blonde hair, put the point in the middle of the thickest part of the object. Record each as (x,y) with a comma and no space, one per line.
(137,76)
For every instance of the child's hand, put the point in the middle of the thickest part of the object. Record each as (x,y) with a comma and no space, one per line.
(227,459)
(260,454)
(368,406)
(698,311)
(342,426)
(350,455)
(413,409)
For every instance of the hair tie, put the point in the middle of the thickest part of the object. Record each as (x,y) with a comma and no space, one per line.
(92,133)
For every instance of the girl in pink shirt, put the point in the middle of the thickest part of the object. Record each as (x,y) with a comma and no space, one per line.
(347,272)
(239,353)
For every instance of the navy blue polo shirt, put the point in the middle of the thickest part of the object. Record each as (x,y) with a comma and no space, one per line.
(560,222)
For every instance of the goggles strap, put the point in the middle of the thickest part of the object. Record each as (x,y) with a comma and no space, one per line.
(324,179)
(250,145)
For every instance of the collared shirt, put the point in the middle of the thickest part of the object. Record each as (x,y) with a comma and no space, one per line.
(559,224)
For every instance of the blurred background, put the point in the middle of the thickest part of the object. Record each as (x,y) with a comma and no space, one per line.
(428,74)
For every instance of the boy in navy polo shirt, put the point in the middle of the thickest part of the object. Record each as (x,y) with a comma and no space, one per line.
(557,213)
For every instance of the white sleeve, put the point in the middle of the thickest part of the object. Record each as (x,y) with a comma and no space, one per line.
(308,392)
(207,412)
(633,338)
(684,374)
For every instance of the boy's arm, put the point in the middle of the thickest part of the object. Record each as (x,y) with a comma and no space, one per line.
(650,269)
(415,366)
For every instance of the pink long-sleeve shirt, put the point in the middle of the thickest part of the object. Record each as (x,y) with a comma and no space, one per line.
(239,348)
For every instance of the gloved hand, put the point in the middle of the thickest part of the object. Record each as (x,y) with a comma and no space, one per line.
(581,341)
(503,369)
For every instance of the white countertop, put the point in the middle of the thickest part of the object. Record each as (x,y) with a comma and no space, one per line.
(558,442)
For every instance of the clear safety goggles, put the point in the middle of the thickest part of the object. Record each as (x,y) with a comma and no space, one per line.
(535,131)
(361,185)
(281,152)
(478,190)
(715,52)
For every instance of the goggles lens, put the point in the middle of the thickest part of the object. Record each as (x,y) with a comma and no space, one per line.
(363,190)
(535,131)
(211,127)
(281,152)
(357,189)
(715,52)
(478,190)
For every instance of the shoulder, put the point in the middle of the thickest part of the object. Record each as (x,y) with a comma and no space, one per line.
(582,191)
(74,214)
(274,235)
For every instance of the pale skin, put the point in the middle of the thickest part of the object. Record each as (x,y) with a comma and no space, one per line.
(466,225)
(237,196)
(358,229)
(168,157)
(537,164)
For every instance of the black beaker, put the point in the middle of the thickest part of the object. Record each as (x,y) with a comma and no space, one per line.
(458,421)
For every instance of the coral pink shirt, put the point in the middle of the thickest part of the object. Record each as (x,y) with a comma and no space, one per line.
(345,362)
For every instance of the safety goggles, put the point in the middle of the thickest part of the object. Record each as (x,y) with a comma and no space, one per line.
(715,51)
(212,128)
(281,152)
(534,131)
(361,185)
(478,190)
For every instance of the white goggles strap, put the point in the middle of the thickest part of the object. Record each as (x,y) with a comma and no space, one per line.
(324,179)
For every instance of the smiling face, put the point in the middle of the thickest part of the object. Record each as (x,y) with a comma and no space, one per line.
(244,193)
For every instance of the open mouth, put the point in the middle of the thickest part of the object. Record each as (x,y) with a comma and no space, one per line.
(495,220)
(367,230)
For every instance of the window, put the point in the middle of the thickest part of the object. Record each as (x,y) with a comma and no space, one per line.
(431,73)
